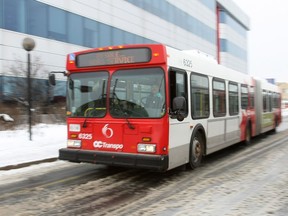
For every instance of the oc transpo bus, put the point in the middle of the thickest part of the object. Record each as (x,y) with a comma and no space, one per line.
(155,107)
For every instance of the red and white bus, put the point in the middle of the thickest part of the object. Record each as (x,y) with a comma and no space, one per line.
(152,106)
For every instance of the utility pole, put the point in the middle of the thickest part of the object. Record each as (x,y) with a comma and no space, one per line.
(29,44)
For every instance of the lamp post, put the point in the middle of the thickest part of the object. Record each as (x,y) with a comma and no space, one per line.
(29,44)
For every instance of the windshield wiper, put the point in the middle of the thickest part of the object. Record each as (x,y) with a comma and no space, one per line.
(132,127)
(114,97)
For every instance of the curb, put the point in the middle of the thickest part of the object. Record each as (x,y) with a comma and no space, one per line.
(26,164)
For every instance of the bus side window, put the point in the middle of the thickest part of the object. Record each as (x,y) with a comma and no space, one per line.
(251,97)
(199,96)
(219,98)
(178,87)
(264,95)
(244,96)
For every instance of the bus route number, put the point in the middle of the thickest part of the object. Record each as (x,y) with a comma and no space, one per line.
(187,63)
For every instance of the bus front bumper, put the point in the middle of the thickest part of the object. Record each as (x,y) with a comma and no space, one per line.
(153,162)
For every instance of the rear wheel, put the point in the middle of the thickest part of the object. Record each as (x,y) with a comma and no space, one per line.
(196,150)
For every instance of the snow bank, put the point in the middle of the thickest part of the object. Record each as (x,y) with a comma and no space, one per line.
(16,148)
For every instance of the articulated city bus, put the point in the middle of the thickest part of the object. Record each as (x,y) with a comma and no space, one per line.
(152,106)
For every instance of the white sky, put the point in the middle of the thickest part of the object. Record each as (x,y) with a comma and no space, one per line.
(267,38)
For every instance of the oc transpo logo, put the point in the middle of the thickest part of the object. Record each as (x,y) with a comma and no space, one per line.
(106,131)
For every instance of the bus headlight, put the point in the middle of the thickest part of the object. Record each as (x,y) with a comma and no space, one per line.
(148,148)
(74,143)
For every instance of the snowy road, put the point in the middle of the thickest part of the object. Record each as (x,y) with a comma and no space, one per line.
(239,180)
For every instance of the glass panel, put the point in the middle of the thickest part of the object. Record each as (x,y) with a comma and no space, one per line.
(252,97)
(91,33)
(244,97)
(86,94)
(57,24)
(180,18)
(138,93)
(14,15)
(200,96)
(75,29)
(233,99)
(1,14)
(219,98)
(37,18)
(105,35)
(118,36)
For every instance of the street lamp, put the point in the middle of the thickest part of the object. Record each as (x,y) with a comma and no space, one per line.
(29,44)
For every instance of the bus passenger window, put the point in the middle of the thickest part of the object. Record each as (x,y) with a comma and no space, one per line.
(264,95)
(244,97)
(219,98)
(251,97)
(233,99)
(199,96)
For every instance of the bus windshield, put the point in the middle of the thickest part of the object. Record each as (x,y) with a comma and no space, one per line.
(133,93)
(137,93)
(86,94)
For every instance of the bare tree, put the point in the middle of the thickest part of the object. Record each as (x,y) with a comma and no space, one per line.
(18,82)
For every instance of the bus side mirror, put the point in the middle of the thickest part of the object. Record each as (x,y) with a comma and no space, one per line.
(179,107)
(52,80)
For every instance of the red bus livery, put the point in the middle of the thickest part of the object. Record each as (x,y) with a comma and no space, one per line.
(152,106)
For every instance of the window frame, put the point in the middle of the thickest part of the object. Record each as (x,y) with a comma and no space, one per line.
(221,111)
(233,109)
(205,111)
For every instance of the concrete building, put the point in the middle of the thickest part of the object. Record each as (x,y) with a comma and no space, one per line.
(216,27)
(284,90)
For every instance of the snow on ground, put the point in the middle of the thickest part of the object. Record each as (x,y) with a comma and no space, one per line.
(16,148)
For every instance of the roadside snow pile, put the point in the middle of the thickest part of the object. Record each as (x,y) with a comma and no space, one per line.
(6,117)
(16,148)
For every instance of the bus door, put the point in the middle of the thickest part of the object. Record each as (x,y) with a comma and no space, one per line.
(179,131)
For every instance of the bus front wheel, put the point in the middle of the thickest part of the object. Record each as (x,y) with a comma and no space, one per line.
(196,150)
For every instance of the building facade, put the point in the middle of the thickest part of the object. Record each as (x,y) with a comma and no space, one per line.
(284,91)
(216,27)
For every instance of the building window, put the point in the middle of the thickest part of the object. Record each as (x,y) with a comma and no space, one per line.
(219,98)
(57,24)
(91,36)
(1,14)
(75,29)
(232,23)
(228,46)
(14,15)
(179,17)
(105,34)
(37,18)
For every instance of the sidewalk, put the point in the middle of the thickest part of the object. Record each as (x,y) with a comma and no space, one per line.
(16,150)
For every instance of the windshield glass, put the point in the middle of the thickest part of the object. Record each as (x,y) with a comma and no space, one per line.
(137,93)
(86,94)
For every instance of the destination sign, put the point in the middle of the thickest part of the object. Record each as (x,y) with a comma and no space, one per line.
(113,57)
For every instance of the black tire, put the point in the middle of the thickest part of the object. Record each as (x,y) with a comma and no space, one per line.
(196,150)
